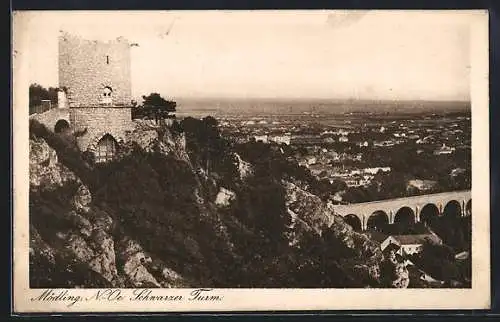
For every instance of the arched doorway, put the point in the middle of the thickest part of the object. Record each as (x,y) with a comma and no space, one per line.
(452,210)
(353,221)
(468,208)
(378,221)
(106,149)
(429,214)
(62,126)
(404,215)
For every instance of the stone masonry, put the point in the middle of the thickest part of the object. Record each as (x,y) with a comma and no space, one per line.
(97,122)
(390,207)
(88,71)
(86,67)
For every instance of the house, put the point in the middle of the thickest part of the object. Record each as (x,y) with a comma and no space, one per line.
(375,170)
(426,140)
(376,236)
(281,139)
(311,160)
(408,244)
(357,181)
(422,185)
(337,196)
(261,138)
(317,169)
(329,140)
(444,150)
(383,143)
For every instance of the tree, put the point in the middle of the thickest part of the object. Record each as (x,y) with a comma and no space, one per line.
(438,261)
(157,106)
(355,195)
(207,148)
(37,93)
(338,185)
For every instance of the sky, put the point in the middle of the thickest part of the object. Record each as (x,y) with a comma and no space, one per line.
(270,54)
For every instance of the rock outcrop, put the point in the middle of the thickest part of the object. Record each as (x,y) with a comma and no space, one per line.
(44,168)
(151,138)
(87,240)
(224,197)
(245,169)
(312,213)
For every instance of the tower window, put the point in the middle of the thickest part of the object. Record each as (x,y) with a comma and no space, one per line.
(107,93)
(107,59)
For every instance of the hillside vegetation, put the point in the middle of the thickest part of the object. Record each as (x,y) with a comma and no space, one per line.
(180,207)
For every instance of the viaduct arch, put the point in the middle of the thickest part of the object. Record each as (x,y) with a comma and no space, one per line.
(414,209)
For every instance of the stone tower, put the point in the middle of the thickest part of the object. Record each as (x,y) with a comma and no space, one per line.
(95,77)
(88,69)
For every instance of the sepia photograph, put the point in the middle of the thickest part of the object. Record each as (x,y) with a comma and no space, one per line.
(163,156)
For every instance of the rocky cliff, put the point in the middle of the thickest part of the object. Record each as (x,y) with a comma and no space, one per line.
(313,214)
(76,243)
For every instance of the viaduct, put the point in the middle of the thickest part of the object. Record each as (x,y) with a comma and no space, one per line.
(410,209)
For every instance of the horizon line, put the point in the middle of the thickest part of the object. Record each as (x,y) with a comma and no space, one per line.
(318,99)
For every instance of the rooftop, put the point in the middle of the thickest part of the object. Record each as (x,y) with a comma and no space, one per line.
(377,236)
(416,239)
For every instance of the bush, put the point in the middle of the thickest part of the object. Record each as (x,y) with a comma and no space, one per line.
(440,263)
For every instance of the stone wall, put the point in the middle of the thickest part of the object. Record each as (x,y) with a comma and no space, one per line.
(86,67)
(50,118)
(94,123)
